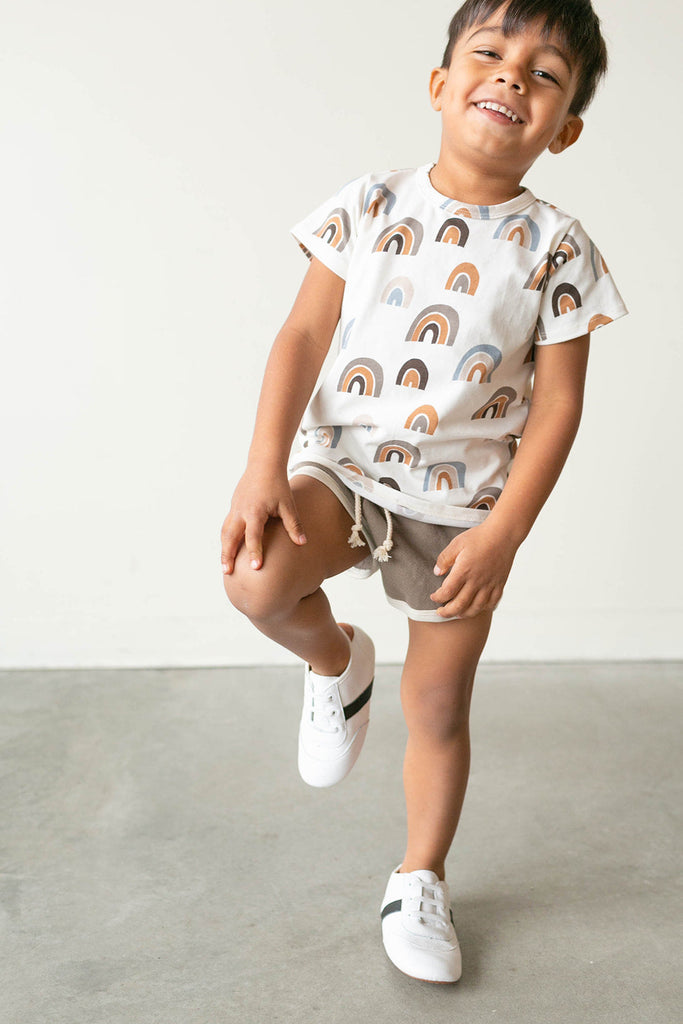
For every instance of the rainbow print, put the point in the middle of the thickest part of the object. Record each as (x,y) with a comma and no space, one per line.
(454,231)
(464,278)
(324,437)
(364,375)
(398,451)
(537,281)
(599,320)
(477,365)
(379,199)
(424,419)
(348,464)
(403,238)
(389,482)
(413,374)
(566,298)
(399,292)
(444,476)
(567,250)
(486,498)
(347,333)
(438,324)
(597,263)
(497,405)
(520,228)
(336,229)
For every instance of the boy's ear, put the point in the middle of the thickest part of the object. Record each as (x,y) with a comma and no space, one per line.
(437,80)
(567,135)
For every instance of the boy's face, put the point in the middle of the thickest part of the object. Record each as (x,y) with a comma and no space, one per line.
(532,77)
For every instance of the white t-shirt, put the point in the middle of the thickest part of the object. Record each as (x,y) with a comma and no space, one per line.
(443,305)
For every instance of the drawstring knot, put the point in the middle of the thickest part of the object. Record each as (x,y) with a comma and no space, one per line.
(381,553)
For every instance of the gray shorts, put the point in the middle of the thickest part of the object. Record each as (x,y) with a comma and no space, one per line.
(408,575)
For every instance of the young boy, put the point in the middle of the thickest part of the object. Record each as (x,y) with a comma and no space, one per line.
(456,289)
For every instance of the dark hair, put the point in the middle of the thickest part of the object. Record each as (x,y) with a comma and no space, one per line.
(574,21)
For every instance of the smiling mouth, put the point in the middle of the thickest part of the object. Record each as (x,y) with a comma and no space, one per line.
(500,108)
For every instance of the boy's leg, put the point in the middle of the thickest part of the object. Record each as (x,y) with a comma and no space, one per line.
(436,690)
(283,599)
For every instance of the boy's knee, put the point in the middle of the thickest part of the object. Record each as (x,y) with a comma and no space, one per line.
(441,715)
(254,593)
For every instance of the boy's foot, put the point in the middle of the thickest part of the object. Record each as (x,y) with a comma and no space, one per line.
(417,927)
(335,716)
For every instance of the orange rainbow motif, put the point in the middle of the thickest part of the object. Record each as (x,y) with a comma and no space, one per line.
(599,320)
(424,419)
(464,278)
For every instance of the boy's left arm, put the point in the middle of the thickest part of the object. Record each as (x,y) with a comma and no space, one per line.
(478,561)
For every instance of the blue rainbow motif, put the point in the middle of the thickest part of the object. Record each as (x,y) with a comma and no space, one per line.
(497,405)
(438,324)
(376,197)
(444,476)
(398,451)
(454,231)
(403,238)
(520,228)
(478,364)
(364,375)
(413,374)
(399,292)
(336,229)
(347,333)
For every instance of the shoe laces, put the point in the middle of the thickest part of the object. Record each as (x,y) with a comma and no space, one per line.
(429,905)
(325,710)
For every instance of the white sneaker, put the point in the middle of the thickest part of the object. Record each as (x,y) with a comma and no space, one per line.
(335,716)
(417,927)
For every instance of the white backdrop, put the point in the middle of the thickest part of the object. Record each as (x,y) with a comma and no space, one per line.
(153,156)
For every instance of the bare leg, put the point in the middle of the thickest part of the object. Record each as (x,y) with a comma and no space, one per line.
(436,690)
(284,599)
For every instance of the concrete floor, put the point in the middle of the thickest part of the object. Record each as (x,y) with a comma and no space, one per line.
(162,861)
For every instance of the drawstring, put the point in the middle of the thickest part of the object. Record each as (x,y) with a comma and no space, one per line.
(381,554)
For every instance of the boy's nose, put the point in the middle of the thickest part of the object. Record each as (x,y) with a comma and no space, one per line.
(508,78)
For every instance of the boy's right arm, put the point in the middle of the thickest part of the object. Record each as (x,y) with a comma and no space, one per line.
(291,374)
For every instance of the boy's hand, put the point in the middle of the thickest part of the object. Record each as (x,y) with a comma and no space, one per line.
(259,496)
(478,563)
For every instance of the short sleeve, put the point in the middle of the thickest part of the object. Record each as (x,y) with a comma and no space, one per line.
(329,232)
(579,295)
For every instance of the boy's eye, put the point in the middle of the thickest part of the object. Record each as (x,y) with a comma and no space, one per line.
(546,74)
(487,53)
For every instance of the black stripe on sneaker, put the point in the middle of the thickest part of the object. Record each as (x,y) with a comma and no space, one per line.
(354,707)
(391,908)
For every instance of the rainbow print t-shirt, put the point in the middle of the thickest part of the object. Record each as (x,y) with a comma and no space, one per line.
(443,307)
